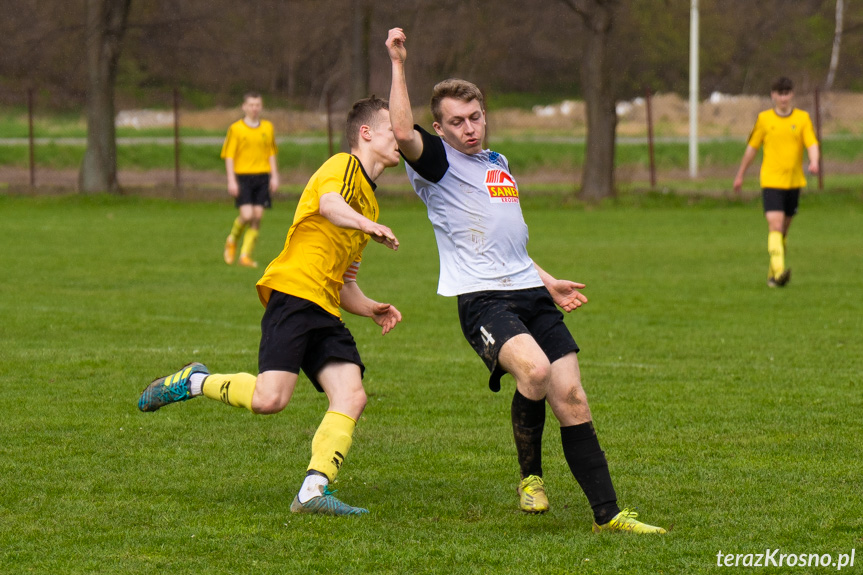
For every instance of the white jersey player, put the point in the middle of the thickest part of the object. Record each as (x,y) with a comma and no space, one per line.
(506,302)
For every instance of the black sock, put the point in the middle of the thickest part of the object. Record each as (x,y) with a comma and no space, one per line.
(588,464)
(528,420)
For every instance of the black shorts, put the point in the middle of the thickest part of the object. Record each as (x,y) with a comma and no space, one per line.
(298,334)
(491,318)
(254,189)
(779,200)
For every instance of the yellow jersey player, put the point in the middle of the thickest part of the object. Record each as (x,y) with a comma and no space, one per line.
(249,152)
(784,132)
(303,290)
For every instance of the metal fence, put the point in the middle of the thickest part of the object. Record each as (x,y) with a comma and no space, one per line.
(640,113)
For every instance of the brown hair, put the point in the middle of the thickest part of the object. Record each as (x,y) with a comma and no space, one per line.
(363,113)
(248,95)
(783,84)
(454,88)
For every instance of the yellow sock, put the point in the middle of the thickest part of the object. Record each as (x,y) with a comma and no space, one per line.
(331,443)
(776,249)
(249,241)
(237,229)
(234,389)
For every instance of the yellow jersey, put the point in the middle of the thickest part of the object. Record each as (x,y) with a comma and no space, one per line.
(317,253)
(250,148)
(784,138)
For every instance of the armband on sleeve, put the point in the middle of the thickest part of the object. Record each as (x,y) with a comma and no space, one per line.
(351,273)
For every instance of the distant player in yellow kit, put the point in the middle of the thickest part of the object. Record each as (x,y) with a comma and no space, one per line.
(784,131)
(249,152)
(302,290)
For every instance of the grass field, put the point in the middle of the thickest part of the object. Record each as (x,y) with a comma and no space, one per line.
(729,412)
(526,155)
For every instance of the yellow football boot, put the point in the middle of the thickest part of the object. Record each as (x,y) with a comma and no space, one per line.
(531,493)
(230,250)
(626,521)
(247,262)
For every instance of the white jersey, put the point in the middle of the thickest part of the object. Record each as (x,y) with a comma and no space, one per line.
(473,204)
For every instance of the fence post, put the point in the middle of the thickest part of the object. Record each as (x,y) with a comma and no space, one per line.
(647,97)
(30,133)
(820,143)
(177,189)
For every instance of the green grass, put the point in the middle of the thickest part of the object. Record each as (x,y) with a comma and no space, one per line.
(155,156)
(525,155)
(727,410)
(522,100)
(14,124)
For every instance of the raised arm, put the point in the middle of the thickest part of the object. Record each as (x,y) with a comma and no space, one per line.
(339,213)
(564,292)
(409,140)
(354,301)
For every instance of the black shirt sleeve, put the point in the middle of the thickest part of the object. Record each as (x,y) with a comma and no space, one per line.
(432,163)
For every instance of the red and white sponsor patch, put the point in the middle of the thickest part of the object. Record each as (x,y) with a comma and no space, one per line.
(501,186)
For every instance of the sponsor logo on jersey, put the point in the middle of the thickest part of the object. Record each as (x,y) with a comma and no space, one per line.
(501,187)
(495,158)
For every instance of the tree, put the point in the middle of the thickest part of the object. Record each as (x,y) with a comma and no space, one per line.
(837,41)
(600,103)
(361,22)
(106,24)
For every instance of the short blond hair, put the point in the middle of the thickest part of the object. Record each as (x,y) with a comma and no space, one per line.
(457,89)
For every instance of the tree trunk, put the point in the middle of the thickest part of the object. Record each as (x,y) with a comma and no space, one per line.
(106,24)
(600,103)
(361,21)
(837,42)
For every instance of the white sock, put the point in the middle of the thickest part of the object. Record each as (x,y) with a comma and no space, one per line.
(196,383)
(313,486)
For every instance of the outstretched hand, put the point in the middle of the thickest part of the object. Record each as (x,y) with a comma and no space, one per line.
(382,235)
(566,295)
(386,316)
(396,45)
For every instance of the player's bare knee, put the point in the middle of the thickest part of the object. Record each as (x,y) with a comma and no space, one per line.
(359,399)
(539,375)
(535,380)
(267,404)
(269,408)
